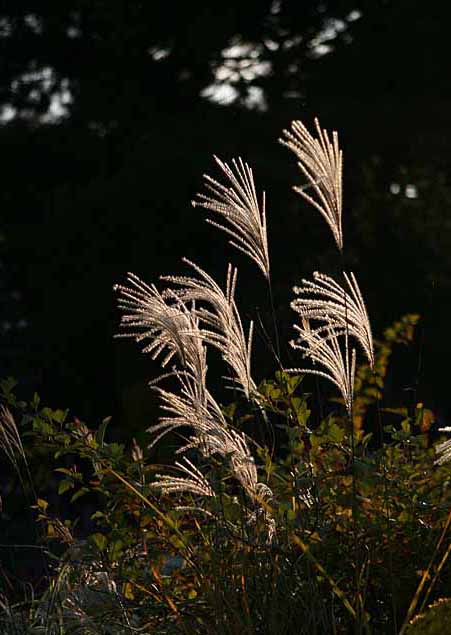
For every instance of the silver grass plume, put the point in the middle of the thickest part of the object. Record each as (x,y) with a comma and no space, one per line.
(443,450)
(165,320)
(321,162)
(221,322)
(211,434)
(10,441)
(194,482)
(170,327)
(340,309)
(338,366)
(186,407)
(238,205)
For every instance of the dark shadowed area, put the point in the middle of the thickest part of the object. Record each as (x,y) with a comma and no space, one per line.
(111,112)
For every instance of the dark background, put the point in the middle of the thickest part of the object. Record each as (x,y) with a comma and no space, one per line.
(112,111)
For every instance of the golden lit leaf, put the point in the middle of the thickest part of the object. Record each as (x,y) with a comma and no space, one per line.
(127,591)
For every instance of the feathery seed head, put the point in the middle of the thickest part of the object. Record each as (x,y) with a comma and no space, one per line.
(238,205)
(211,434)
(443,450)
(337,308)
(164,320)
(321,162)
(10,441)
(220,319)
(193,483)
(323,348)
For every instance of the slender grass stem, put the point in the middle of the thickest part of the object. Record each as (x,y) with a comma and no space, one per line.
(335,588)
(387,514)
(358,622)
(426,575)
(274,320)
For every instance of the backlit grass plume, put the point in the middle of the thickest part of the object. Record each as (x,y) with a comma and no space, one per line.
(207,428)
(193,481)
(338,308)
(321,162)
(443,450)
(220,320)
(181,322)
(165,324)
(336,363)
(238,205)
(10,441)
(194,313)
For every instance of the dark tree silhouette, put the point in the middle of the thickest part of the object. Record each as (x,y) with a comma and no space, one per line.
(110,117)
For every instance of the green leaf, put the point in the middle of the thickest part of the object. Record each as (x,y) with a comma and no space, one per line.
(293,382)
(335,433)
(405,425)
(7,386)
(270,390)
(42,504)
(35,401)
(99,540)
(116,450)
(59,415)
(63,470)
(100,434)
(115,550)
(229,410)
(81,492)
(64,486)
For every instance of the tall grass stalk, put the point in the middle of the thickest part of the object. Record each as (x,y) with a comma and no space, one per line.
(427,574)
